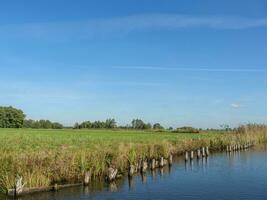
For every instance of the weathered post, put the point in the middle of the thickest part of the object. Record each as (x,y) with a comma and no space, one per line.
(18,190)
(161,162)
(198,154)
(139,165)
(203,152)
(192,155)
(230,148)
(186,156)
(227,148)
(170,159)
(55,187)
(157,163)
(87,177)
(131,170)
(207,151)
(153,164)
(144,166)
(112,173)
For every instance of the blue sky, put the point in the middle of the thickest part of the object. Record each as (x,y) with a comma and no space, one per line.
(196,63)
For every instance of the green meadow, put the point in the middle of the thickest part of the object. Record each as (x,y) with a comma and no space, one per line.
(29,140)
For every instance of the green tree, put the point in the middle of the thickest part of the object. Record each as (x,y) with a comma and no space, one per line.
(139,124)
(11,117)
(110,123)
(157,126)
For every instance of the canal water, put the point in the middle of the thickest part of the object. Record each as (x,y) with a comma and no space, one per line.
(239,175)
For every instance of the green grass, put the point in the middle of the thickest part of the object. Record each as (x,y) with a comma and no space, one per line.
(24,140)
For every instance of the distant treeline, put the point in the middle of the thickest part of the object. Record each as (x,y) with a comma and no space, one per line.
(42,124)
(111,123)
(186,129)
(15,118)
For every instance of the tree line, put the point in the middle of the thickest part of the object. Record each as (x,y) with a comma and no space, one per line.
(41,124)
(111,123)
(15,118)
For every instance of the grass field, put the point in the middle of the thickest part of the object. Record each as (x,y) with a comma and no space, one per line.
(46,157)
(28,140)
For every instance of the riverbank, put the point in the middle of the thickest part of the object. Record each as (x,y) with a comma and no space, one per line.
(45,158)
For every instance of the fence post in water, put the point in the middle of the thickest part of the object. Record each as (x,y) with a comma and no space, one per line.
(87,177)
(131,170)
(192,155)
(153,164)
(112,173)
(227,148)
(198,153)
(207,151)
(203,152)
(161,162)
(19,186)
(144,166)
(170,159)
(186,156)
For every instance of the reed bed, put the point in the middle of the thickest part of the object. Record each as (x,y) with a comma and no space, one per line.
(47,157)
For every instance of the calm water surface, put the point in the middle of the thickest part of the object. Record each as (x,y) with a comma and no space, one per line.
(241,175)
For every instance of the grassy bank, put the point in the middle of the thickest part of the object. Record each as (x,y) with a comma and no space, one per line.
(46,157)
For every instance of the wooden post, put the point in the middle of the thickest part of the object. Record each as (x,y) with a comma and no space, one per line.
(207,151)
(19,186)
(144,166)
(203,152)
(230,148)
(192,155)
(153,164)
(87,177)
(157,163)
(198,153)
(161,162)
(112,173)
(186,156)
(131,170)
(170,159)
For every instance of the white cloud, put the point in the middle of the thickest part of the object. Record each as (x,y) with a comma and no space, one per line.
(106,26)
(236,105)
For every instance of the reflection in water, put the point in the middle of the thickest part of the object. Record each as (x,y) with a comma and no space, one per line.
(161,171)
(113,187)
(144,177)
(235,175)
(191,165)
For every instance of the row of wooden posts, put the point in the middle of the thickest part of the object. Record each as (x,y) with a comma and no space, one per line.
(152,164)
(239,147)
(142,166)
(202,152)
